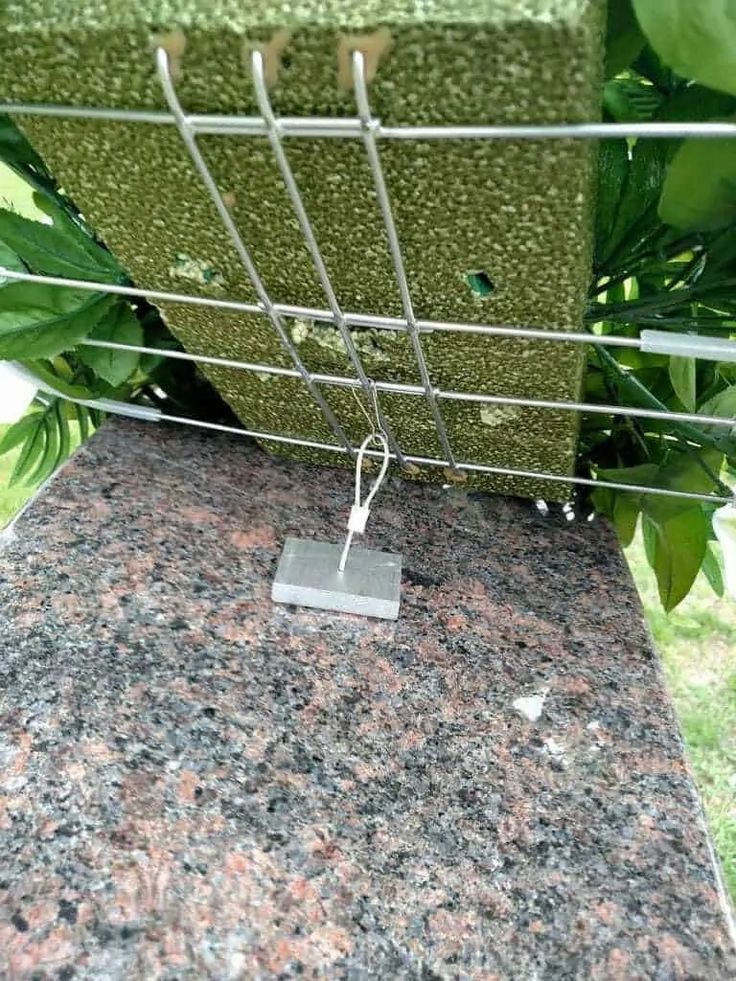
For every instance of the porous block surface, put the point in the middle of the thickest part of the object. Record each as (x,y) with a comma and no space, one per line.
(518,211)
(197,783)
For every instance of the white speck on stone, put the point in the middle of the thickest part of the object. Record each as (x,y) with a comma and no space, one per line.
(593,726)
(554,749)
(531,706)
(498,415)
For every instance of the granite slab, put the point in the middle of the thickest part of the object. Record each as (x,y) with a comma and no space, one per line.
(195,783)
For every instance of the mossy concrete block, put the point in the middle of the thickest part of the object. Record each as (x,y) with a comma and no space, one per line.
(517,212)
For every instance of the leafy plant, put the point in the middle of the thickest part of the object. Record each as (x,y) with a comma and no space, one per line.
(665,257)
(43,327)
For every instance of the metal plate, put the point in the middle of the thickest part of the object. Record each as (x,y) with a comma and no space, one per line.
(307,575)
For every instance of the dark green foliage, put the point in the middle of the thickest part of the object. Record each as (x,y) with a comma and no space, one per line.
(696,38)
(624,39)
(665,258)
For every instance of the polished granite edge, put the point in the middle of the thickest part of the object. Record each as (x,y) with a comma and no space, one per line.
(196,783)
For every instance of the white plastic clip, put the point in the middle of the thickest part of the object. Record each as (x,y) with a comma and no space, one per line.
(14,372)
(359,514)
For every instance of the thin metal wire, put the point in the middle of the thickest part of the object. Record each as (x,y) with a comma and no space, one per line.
(568,131)
(274,138)
(437,462)
(374,160)
(135,292)
(667,415)
(253,433)
(402,388)
(351,127)
(316,313)
(187,135)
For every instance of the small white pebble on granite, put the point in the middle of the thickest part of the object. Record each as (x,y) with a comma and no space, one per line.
(555,749)
(531,706)
(597,731)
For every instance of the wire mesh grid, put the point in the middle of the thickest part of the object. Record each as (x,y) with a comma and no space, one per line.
(371,132)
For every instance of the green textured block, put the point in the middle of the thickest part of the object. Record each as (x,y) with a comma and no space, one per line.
(519,213)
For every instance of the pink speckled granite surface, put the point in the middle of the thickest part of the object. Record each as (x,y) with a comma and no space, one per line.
(197,784)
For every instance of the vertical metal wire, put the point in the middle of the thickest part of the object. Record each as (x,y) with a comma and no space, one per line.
(369,126)
(187,134)
(275,139)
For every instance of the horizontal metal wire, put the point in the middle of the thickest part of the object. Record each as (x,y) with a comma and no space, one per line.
(460,465)
(316,313)
(401,388)
(351,127)
(152,414)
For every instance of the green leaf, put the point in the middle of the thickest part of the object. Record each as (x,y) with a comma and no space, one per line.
(50,456)
(15,150)
(123,327)
(613,169)
(636,214)
(696,38)
(722,404)
(677,550)
(83,419)
(16,433)
(720,258)
(31,450)
(713,572)
(689,473)
(70,223)
(694,103)
(624,39)
(631,100)
(625,516)
(39,321)
(46,443)
(65,438)
(644,474)
(9,260)
(603,499)
(682,376)
(57,250)
(649,537)
(634,392)
(699,192)
(45,372)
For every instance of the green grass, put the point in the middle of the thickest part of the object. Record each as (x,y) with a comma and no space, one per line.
(698,646)
(697,642)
